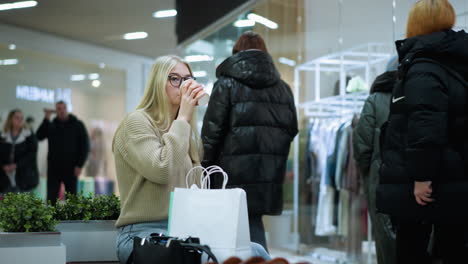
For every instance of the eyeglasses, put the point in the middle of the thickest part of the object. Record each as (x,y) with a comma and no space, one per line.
(176,81)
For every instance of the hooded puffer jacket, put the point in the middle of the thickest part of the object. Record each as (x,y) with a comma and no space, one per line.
(248,128)
(426,136)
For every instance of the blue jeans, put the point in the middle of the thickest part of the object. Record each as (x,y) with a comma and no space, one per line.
(127,233)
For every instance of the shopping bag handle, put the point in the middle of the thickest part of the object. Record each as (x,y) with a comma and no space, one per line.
(206,182)
(205,176)
(190,173)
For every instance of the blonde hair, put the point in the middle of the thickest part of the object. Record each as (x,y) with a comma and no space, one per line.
(155,101)
(428,16)
(8,126)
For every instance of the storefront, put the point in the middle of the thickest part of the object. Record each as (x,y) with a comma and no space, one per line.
(329,52)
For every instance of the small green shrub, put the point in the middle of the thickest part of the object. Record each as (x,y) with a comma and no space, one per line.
(24,212)
(81,207)
(106,207)
(75,207)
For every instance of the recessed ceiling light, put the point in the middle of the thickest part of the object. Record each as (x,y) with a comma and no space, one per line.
(93,76)
(197,58)
(165,13)
(199,74)
(96,83)
(287,61)
(9,62)
(135,35)
(16,5)
(244,23)
(264,21)
(77,77)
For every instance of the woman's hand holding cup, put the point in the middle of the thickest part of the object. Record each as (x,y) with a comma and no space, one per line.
(190,93)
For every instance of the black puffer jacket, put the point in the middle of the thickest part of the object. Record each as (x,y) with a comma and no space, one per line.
(427,134)
(25,155)
(248,128)
(68,142)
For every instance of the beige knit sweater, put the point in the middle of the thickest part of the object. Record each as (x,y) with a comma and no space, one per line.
(149,164)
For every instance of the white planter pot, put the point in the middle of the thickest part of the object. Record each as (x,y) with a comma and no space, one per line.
(34,247)
(89,241)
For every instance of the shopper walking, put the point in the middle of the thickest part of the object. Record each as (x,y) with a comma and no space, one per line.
(68,149)
(248,128)
(425,148)
(367,155)
(18,152)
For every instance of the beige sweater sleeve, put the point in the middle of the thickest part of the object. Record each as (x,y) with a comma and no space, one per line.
(153,156)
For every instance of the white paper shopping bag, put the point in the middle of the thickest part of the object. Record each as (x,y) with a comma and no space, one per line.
(217,216)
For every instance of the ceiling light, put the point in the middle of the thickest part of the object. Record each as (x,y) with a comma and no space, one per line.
(9,62)
(264,21)
(244,23)
(199,74)
(16,5)
(93,76)
(96,83)
(201,47)
(12,47)
(165,13)
(135,35)
(287,61)
(102,65)
(77,77)
(198,58)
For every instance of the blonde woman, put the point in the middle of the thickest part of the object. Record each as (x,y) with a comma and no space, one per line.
(18,151)
(154,148)
(425,152)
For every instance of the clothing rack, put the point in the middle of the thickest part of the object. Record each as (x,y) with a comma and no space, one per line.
(335,105)
(367,57)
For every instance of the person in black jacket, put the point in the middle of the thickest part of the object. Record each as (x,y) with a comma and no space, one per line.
(425,149)
(248,128)
(68,150)
(367,155)
(18,152)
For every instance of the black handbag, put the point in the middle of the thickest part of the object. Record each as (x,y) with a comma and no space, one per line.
(163,249)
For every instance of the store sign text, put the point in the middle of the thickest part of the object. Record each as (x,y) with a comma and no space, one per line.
(37,94)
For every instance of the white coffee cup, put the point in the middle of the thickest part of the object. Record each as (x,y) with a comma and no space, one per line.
(204,100)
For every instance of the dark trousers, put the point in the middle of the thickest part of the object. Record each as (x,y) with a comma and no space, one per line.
(257,230)
(55,177)
(412,241)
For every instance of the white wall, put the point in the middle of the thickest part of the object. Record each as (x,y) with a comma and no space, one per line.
(42,42)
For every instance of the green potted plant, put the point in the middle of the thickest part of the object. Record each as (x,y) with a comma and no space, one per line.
(28,232)
(88,228)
